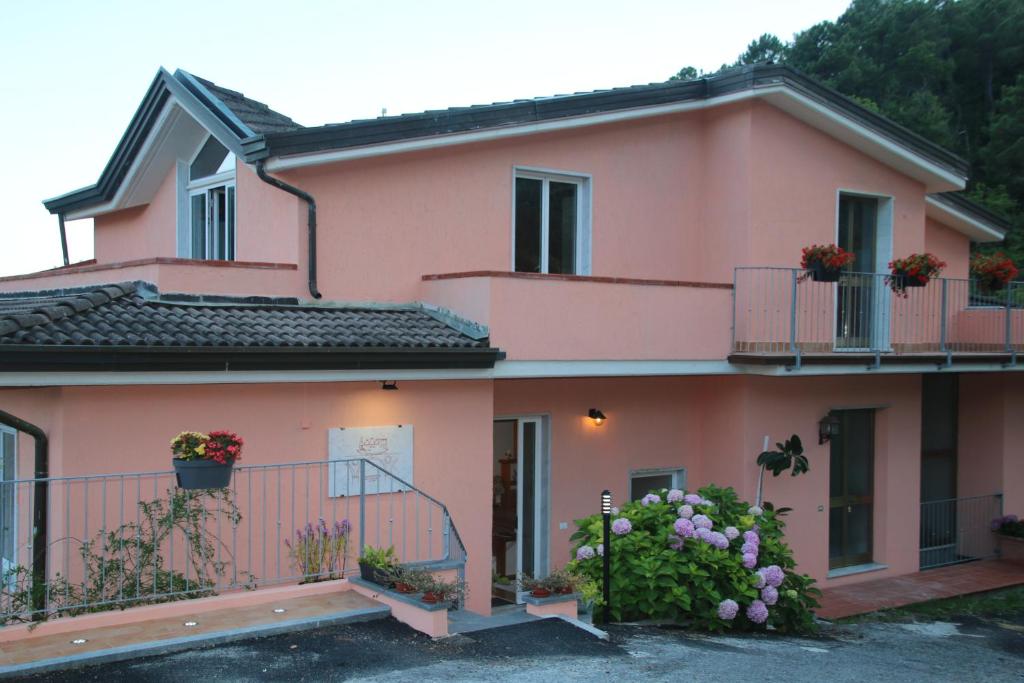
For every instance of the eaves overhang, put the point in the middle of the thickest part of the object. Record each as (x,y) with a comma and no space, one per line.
(967,217)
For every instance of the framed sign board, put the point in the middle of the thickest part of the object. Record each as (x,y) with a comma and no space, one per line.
(388,447)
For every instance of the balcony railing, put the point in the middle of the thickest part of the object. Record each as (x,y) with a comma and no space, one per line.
(117,540)
(783,311)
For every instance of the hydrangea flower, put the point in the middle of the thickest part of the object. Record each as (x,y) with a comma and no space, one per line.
(675,542)
(707,501)
(757,612)
(755,510)
(727,609)
(791,594)
(615,510)
(702,533)
(621,526)
(600,549)
(674,496)
(685,511)
(770,595)
(649,499)
(759,581)
(749,560)
(684,527)
(750,548)
(703,521)
(773,575)
(692,499)
(751,537)
(718,540)
(731,532)
(585,552)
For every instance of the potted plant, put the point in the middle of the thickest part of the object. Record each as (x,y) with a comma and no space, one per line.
(1010,535)
(204,461)
(993,271)
(561,582)
(915,270)
(538,588)
(436,590)
(823,262)
(376,564)
(407,580)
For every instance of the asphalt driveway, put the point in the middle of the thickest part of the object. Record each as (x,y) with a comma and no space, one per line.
(959,649)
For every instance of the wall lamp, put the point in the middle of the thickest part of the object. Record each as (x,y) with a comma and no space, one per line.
(389,385)
(828,427)
(597,416)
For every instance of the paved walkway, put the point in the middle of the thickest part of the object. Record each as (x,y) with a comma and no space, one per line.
(932,584)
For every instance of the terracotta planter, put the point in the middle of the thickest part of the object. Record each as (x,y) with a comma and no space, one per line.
(403,587)
(1011,548)
(540,592)
(822,273)
(565,591)
(431,598)
(201,474)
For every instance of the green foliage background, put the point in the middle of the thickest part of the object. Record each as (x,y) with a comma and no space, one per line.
(952,71)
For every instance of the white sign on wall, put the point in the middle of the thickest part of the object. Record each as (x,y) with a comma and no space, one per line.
(388,447)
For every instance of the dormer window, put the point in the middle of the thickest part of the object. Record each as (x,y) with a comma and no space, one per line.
(211,203)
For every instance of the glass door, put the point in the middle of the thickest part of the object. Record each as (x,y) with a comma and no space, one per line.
(851,489)
(528,529)
(858,293)
(8,523)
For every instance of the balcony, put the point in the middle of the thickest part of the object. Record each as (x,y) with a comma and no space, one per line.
(780,316)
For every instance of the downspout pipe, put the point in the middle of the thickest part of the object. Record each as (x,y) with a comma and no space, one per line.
(40,506)
(63,238)
(261,171)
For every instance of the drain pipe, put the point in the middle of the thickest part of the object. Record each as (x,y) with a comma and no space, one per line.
(261,171)
(39,506)
(63,238)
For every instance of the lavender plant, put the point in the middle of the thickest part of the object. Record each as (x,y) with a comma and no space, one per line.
(320,552)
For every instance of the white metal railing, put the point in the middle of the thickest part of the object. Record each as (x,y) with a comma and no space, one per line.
(958,529)
(116,540)
(784,311)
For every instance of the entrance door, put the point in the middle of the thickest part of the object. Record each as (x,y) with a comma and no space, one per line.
(8,544)
(859,294)
(517,529)
(939,542)
(851,489)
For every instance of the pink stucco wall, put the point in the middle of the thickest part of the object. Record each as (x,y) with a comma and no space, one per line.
(950,246)
(991,433)
(141,231)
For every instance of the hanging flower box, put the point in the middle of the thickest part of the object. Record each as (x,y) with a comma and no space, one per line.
(916,270)
(205,461)
(824,262)
(993,271)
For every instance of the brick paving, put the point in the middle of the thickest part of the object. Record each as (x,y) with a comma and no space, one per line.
(932,584)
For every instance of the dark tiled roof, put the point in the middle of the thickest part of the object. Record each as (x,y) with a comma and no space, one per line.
(135,315)
(258,116)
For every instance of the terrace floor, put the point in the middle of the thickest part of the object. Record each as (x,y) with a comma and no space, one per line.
(931,584)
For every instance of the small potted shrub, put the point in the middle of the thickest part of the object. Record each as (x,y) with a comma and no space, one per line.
(561,582)
(435,590)
(1010,535)
(824,262)
(993,271)
(538,588)
(915,270)
(204,461)
(376,564)
(407,580)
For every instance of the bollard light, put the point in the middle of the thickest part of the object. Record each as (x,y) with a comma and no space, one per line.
(606,502)
(606,513)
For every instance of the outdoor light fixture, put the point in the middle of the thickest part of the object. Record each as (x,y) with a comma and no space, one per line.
(606,558)
(828,427)
(190,624)
(597,416)
(279,610)
(389,385)
(79,641)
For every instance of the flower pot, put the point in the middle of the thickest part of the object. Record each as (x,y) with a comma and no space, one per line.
(201,474)
(403,587)
(540,593)
(1011,548)
(367,572)
(822,273)
(565,591)
(431,598)
(903,280)
(991,285)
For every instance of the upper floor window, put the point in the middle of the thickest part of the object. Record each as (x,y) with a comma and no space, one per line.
(211,202)
(551,223)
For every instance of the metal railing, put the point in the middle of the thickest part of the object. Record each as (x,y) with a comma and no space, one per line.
(784,311)
(958,530)
(116,540)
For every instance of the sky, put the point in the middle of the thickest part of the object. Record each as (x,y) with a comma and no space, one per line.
(74,72)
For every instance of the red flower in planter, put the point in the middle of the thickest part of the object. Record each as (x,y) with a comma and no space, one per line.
(919,268)
(224,447)
(829,256)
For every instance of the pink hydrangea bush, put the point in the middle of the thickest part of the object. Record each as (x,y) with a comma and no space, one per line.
(715,568)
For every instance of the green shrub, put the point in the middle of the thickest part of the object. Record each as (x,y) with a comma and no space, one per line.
(663,568)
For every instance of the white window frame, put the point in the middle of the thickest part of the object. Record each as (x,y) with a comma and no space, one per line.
(9,562)
(678,475)
(192,188)
(583,183)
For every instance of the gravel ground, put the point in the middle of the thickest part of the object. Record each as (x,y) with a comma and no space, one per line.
(962,649)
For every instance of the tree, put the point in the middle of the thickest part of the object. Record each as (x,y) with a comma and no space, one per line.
(767,48)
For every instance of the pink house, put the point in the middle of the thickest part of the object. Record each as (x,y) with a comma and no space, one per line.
(516,270)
